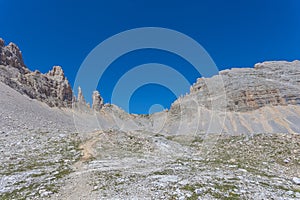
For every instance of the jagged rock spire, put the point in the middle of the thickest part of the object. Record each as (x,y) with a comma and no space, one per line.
(11,55)
(61,85)
(97,101)
(80,98)
(57,73)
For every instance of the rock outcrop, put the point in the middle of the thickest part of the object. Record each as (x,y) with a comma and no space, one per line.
(80,104)
(263,99)
(80,98)
(268,83)
(239,89)
(97,101)
(52,88)
(11,55)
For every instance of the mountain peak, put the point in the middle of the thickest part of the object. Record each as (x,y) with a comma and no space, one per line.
(57,73)
(11,55)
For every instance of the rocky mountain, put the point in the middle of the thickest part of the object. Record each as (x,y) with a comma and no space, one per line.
(51,88)
(244,89)
(263,99)
(235,136)
(268,83)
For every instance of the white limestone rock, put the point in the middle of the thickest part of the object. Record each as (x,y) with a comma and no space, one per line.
(97,101)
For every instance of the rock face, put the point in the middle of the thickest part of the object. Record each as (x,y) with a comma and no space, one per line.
(51,88)
(11,55)
(80,104)
(269,83)
(263,99)
(97,101)
(80,98)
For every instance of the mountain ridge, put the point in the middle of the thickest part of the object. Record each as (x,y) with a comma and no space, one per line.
(242,89)
(204,147)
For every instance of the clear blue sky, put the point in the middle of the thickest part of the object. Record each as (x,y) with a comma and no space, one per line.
(235,33)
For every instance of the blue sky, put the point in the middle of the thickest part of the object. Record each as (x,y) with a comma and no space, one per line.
(235,34)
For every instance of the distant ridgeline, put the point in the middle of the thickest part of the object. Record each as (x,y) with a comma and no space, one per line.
(269,83)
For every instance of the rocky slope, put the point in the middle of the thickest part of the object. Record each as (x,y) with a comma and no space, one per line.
(263,99)
(44,157)
(235,136)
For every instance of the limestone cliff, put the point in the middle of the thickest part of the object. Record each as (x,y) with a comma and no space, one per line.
(52,88)
(268,83)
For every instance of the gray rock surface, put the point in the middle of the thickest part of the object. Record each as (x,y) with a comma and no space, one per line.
(80,98)
(268,83)
(97,101)
(11,55)
(263,99)
(296,180)
(52,88)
